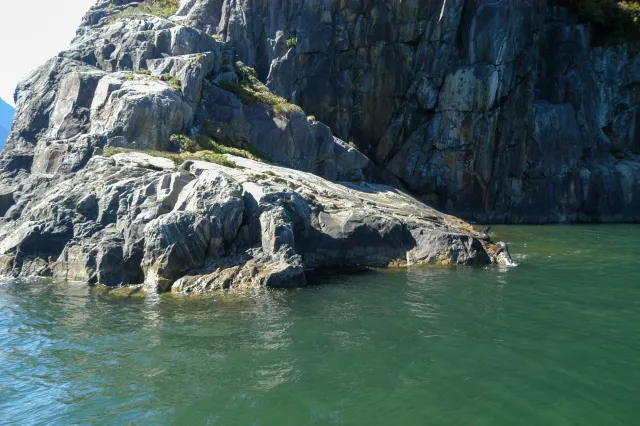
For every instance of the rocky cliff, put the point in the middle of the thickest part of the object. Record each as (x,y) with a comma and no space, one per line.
(145,153)
(495,110)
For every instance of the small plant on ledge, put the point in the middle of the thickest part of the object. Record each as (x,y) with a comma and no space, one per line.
(291,42)
(174,82)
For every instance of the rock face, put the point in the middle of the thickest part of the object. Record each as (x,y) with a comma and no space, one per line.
(499,111)
(132,81)
(133,219)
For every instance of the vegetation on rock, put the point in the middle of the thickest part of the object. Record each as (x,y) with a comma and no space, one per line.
(209,144)
(177,158)
(291,42)
(250,89)
(185,143)
(161,8)
(205,143)
(172,81)
(614,21)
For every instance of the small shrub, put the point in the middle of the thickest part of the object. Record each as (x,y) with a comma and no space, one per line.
(144,72)
(130,76)
(198,58)
(291,42)
(217,37)
(174,82)
(311,117)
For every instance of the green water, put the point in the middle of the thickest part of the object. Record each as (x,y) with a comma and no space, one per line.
(555,341)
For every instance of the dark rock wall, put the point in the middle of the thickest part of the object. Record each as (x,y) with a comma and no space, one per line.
(495,110)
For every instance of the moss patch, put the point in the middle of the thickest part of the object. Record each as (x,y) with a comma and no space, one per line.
(177,158)
(161,8)
(613,21)
(250,90)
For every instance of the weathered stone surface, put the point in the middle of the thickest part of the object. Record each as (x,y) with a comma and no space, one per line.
(136,219)
(133,219)
(498,111)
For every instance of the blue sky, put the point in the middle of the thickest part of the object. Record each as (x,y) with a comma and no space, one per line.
(32,31)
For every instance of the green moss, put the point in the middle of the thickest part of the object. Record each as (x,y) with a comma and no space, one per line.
(250,90)
(161,8)
(177,158)
(173,82)
(286,108)
(291,42)
(613,21)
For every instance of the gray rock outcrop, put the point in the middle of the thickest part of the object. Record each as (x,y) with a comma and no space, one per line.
(131,82)
(498,111)
(133,219)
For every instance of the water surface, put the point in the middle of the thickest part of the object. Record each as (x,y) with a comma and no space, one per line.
(555,341)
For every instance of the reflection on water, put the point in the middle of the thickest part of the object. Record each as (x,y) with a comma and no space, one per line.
(554,341)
